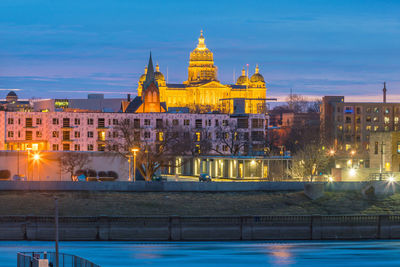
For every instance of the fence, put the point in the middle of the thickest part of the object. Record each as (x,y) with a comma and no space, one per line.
(28,259)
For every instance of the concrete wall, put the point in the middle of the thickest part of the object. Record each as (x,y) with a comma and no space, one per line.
(141,186)
(202,228)
(48,167)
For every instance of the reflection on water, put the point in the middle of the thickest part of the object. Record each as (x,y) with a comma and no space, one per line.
(295,253)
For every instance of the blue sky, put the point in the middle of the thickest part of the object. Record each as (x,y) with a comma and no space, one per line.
(69,48)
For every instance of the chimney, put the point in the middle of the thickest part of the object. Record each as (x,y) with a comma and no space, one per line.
(129,97)
(384,92)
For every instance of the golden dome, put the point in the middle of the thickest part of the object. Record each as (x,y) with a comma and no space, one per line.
(257,77)
(158,75)
(243,79)
(201,52)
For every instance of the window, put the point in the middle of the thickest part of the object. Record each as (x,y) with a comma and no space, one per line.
(126,121)
(387,128)
(10,134)
(90,147)
(376,110)
(38,121)
(398,147)
(10,121)
(55,147)
(340,128)
(90,134)
(66,147)
(369,110)
(136,123)
(136,136)
(55,121)
(348,110)
(348,119)
(55,134)
(368,128)
(66,136)
(160,136)
(208,122)
(257,123)
(146,135)
(28,122)
(396,120)
(147,122)
(101,147)
(175,122)
(368,119)
(339,118)
(358,110)
(216,123)
(77,121)
(376,119)
(38,134)
(386,119)
(101,136)
(77,134)
(90,121)
(376,128)
(198,136)
(387,110)
(77,147)
(115,134)
(65,122)
(186,122)
(159,123)
(225,123)
(199,123)
(115,122)
(376,148)
(100,123)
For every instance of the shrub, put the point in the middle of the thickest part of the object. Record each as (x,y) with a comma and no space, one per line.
(112,174)
(102,174)
(91,173)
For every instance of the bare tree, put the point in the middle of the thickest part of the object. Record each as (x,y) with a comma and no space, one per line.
(309,162)
(230,139)
(154,153)
(72,161)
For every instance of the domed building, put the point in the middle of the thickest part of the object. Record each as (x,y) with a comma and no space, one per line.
(11,97)
(202,88)
(243,79)
(12,103)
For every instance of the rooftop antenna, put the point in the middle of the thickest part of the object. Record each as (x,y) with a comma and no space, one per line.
(167,73)
(234,75)
(247,83)
(384,92)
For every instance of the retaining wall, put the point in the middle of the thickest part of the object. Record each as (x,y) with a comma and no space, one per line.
(201,228)
(141,186)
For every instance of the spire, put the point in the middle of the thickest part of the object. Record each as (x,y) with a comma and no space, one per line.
(257,69)
(150,74)
(243,72)
(157,68)
(201,45)
(384,92)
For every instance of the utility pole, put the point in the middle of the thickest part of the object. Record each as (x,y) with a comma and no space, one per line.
(56,223)
(381,165)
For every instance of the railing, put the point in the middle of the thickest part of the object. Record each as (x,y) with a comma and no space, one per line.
(25,259)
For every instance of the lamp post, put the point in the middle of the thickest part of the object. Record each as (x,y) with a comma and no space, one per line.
(27,162)
(129,168)
(134,150)
(36,158)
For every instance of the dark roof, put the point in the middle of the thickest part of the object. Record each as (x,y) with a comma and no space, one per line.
(176,85)
(134,105)
(235,86)
(11,93)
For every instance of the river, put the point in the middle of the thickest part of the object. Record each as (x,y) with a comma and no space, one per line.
(206,254)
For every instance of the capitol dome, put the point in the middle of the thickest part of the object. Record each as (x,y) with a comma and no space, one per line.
(243,79)
(143,77)
(201,52)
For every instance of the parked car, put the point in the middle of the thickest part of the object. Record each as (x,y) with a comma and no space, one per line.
(17,177)
(158,178)
(204,177)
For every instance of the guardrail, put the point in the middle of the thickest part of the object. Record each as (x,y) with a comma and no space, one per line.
(28,259)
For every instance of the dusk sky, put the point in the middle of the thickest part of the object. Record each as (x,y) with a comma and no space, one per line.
(71,48)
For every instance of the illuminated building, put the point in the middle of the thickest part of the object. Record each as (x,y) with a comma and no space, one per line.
(90,131)
(12,103)
(202,88)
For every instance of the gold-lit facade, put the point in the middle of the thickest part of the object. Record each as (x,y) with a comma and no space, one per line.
(202,88)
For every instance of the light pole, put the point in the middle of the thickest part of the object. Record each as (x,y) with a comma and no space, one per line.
(27,162)
(36,157)
(134,150)
(129,168)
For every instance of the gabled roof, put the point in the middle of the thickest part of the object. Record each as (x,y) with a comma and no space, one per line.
(134,105)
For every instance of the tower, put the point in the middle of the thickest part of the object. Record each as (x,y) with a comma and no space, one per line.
(201,65)
(384,92)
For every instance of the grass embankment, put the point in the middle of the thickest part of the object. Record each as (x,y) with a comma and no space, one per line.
(193,204)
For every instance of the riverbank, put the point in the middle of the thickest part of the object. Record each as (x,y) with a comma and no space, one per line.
(86,203)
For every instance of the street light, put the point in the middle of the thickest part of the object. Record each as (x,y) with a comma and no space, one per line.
(36,158)
(134,150)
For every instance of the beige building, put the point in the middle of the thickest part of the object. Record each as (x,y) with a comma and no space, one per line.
(384,153)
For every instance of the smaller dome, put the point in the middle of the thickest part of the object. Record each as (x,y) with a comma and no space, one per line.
(11,97)
(257,77)
(11,93)
(143,76)
(158,75)
(242,79)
